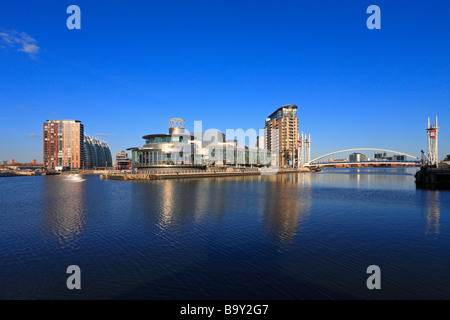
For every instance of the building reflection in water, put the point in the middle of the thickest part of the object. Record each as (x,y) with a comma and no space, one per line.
(166,206)
(172,212)
(174,203)
(287,205)
(433,208)
(156,202)
(64,210)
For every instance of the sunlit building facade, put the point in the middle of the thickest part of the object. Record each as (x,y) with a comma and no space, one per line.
(281,135)
(122,160)
(172,149)
(97,153)
(358,157)
(63,143)
(180,148)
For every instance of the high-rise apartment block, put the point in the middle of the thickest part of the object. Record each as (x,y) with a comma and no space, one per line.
(63,143)
(281,135)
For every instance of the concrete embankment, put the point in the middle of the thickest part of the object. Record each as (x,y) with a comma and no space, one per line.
(183,175)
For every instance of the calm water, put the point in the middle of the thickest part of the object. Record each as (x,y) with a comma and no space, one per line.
(292,236)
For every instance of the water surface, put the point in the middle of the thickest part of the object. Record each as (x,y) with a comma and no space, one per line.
(289,236)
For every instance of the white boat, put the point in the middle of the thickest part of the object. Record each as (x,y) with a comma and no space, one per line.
(76,177)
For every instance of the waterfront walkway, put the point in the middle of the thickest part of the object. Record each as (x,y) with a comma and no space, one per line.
(158,175)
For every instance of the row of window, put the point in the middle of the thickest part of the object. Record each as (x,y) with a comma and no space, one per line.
(169,139)
(216,155)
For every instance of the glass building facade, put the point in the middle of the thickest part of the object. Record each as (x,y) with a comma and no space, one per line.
(159,156)
(97,153)
(173,149)
(179,148)
(236,155)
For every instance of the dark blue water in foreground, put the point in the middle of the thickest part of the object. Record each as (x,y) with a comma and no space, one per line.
(291,236)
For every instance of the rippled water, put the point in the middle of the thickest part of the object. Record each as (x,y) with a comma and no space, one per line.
(290,236)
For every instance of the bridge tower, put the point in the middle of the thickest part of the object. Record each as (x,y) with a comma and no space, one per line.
(432,131)
(308,149)
(300,153)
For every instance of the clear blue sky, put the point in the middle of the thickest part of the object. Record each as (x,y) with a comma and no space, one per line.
(135,64)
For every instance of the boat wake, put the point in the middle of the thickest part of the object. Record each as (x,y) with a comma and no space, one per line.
(74,178)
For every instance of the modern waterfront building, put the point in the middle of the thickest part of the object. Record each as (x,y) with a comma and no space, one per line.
(398,157)
(209,137)
(122,160)
(379,155)
(179,148)
(63,143)
(281,135)
(357,157)
(97,153)
(107,154)
(161,150)
(66,146)
(228,154)
(90,153)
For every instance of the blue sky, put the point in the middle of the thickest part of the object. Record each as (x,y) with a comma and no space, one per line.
(135,64)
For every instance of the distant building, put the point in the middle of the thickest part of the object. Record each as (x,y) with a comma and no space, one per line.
(281,135)
(122,160)
(260,142)
(5,162)
(447,159)
(13,161)
(397,157)
(63,143)
(379,156)
(34,162)
(357,157)
(97,153)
